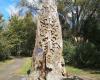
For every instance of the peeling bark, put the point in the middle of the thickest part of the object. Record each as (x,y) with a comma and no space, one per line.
(48,62)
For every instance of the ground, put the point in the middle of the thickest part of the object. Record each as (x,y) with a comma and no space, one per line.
(10,70)
(85,74)
(16,69)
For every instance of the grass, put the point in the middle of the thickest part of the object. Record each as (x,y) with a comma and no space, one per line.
(88,73)
(25,67)
(3,63)
(74,71)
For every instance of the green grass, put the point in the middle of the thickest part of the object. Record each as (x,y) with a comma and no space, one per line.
(74,71)
(88,73)
(26,66)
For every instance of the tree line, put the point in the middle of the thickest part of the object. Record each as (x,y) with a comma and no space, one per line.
(80,20)
(17,37)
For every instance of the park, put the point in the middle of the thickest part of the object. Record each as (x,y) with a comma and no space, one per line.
(50,40)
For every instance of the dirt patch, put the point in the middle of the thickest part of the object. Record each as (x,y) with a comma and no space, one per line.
(9,71)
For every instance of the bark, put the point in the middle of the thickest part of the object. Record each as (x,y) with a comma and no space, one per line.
(48,62)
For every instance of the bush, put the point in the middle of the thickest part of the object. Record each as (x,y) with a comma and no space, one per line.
(3,56)
(81,55)
(87,55)
(68,51)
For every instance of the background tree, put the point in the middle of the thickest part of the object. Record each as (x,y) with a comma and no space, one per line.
(17,38)
(81,21)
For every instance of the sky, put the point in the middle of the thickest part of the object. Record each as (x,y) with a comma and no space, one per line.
(6,6)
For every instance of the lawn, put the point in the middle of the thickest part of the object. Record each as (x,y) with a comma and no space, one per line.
(25,67)
(87,74)
(4,63)
(84,73)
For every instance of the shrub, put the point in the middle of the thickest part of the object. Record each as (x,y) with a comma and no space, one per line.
(68,51)
(87,55)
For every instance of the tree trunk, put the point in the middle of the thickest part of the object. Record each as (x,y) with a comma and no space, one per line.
(48,62)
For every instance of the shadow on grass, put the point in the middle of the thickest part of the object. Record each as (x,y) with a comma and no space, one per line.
(74,78)
(6,59)
(95,72)
(92,70)
(89,70)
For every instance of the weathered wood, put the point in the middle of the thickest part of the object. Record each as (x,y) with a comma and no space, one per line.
(48,63)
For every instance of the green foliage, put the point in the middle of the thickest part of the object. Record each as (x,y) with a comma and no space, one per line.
(69,52)
(18,37)
(24,30)
(81,55)
(91,30)
(85,26)
(86,55)
(79,10)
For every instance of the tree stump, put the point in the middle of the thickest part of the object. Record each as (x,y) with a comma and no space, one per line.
(48,62)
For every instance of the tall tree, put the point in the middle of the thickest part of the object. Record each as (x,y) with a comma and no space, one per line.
(77,10)
(48,62)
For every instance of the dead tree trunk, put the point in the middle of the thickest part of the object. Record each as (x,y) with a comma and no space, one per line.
(48,62)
